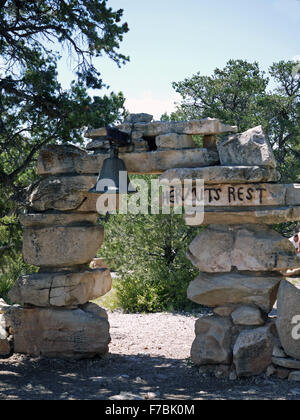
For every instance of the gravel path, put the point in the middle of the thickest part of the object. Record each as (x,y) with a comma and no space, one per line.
(148,360)
(162,334)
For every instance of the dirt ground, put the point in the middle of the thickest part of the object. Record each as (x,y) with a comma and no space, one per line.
(148,360)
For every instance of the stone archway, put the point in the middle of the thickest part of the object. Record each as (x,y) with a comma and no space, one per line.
(240,257)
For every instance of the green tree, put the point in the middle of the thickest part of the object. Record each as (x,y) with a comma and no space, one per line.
(281,109)
(34,108)
(148,252)
(231,94)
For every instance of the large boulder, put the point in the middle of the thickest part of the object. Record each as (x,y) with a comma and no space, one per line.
(62,246)
(213,341)
(61,289)
(206,126)
(59,333)
(214,290)
(249,148)
(245,248)
(288,320)
(252,352)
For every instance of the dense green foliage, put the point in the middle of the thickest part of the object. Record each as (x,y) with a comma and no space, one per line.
(149,254)
(34,108)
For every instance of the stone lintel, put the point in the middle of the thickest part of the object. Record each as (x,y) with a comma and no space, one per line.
(207,126)
(56,161)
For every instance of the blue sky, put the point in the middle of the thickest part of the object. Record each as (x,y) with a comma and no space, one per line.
(170,40)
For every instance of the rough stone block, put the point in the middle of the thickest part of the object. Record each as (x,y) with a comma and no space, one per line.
(139,118)
(213,341)
(61,289)
(288,320)
(62,246)
(175,141)
(221,175)
(240,215)
(62,159)
(246,248)
(294,376)
(214,290)
(293,195)
(248,316)
(59,333)
(252,352)
(206,126)
(61,193)
(249,148)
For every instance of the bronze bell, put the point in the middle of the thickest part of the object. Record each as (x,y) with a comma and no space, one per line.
(108,181)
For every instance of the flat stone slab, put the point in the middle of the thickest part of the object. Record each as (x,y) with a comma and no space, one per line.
(245,248)
(241,215)
(207,126)
(139,118)
(221,175)
(175,141)
(288,319)
(55,160)
(62,246)
(3,306)
(57,219)
(59,333)
(286,363)
(61,289)
(214,290)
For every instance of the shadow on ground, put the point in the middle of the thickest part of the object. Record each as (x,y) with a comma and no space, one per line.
(120,377)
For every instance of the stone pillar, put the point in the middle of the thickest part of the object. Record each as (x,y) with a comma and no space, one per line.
(241,269)
(61,237)
(241,259)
